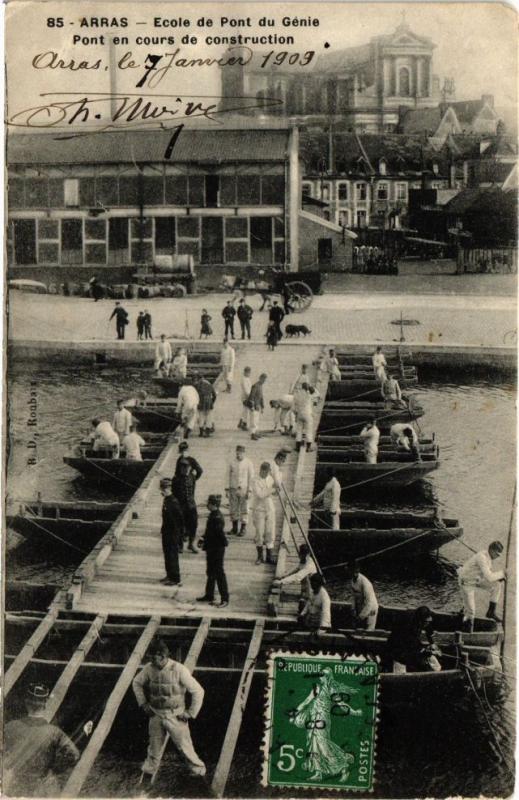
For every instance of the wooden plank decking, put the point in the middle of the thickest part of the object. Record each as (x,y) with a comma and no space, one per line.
(128,582)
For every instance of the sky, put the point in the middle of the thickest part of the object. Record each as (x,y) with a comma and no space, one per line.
(476,43)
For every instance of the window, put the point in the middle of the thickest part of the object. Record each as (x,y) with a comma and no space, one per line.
(196,190)
(129,191)
(153,190)
(227,190)
(435,167)
(118,244)
(176,190)
(236,228)
(87,192)
(382,191)
(361,219)
(187,227)
(324,251)
(107,191)
(404,82)
(401,191)
(48,241)
(71,241)
(361,191)
(342,191)
(71,186)
(325,191)
(344,218)
(16,193)
(382,166)
(306,189)
(248,190)
(37,192)
(25,241)
(273,190)
(212,190)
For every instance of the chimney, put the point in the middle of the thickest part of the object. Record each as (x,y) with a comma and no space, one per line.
(488,99)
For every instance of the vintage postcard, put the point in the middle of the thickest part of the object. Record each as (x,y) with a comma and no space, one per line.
(261,345)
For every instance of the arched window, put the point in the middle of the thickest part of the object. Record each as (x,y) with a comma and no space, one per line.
(404,82)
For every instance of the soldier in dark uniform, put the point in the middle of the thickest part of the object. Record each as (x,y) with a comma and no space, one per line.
(276,315)
(121,319)
(172,532)
(147,325)
(214,544)
(245,313)
(36,752)
(228,313)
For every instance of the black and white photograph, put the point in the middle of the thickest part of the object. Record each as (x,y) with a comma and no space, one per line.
(290,230)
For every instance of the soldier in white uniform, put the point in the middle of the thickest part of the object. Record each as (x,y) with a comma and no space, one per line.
(365,603)
(179,366)
(284,419)
(245,388)
(379,362)
(132,444)
(477,573)
(239,487)
(304,407)
(104,437)
(370,435)
(163,355)
(227,360)
(263,513)
(160,689)
(317,613)
(187,406)
(122,420)
(331,499)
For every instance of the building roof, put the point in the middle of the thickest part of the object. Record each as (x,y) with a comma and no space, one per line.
(362,153)
(468,110)
(346,60)
(138,146)
(492,201)
(325,223)
(421,120)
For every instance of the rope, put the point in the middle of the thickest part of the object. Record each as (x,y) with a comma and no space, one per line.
(304,535)
(63,541)
(356,424)
(384,550)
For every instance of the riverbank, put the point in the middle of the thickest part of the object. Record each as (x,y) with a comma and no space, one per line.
(440,329)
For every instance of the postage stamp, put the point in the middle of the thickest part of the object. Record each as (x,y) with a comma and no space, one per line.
(320,721)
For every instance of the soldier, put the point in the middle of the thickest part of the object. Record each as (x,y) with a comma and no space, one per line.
(122,420)
(214,543)
(121,319)
(36,752)
(147,325)
(276,315)
(160,689)
(245,313)
(228,314)
(172,532)
(240,476)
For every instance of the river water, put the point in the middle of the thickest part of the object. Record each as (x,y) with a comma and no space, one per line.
(419,754)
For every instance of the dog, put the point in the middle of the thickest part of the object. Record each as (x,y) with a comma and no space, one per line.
(297,330)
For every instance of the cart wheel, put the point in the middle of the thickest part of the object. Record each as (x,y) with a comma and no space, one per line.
(301,295)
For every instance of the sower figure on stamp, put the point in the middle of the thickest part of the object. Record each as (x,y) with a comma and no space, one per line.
(326,697)
(160,689)
(477,573)
(214,543)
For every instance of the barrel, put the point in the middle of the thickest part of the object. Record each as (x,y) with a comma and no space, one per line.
(175,264)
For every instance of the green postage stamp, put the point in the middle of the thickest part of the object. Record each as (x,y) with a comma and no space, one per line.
(321,718)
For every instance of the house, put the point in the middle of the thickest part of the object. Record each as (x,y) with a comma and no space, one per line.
(476,116)
(363,86)
(361,180)
(435,123)
(227,196)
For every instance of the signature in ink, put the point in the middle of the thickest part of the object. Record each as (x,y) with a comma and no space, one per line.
(124,109)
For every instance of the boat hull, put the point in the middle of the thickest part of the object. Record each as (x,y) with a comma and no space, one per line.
(358,386)
(119,472)
(332,547)
(43,530)
(156,418)
(387,473)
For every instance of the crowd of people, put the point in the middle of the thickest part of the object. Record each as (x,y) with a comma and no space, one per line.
(243,313)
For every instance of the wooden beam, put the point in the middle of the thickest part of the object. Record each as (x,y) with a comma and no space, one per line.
(67,676)
(223,766)
(190,663)
(81,770)
(28,650)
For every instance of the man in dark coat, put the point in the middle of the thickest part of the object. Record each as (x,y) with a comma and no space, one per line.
(36,753)
(172,532)
(147,325)
(214,544)
(183,487)
(121,319)
(196,469)
(228,313)
(276,315)
(207,395)
(245,313)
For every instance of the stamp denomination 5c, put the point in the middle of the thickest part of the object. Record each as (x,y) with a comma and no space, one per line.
(321,721)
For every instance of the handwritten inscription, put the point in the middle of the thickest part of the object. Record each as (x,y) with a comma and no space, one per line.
(116,110)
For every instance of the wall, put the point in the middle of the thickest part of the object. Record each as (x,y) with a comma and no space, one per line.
(309,234)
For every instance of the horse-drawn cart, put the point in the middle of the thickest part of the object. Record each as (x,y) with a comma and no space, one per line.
(296,289)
